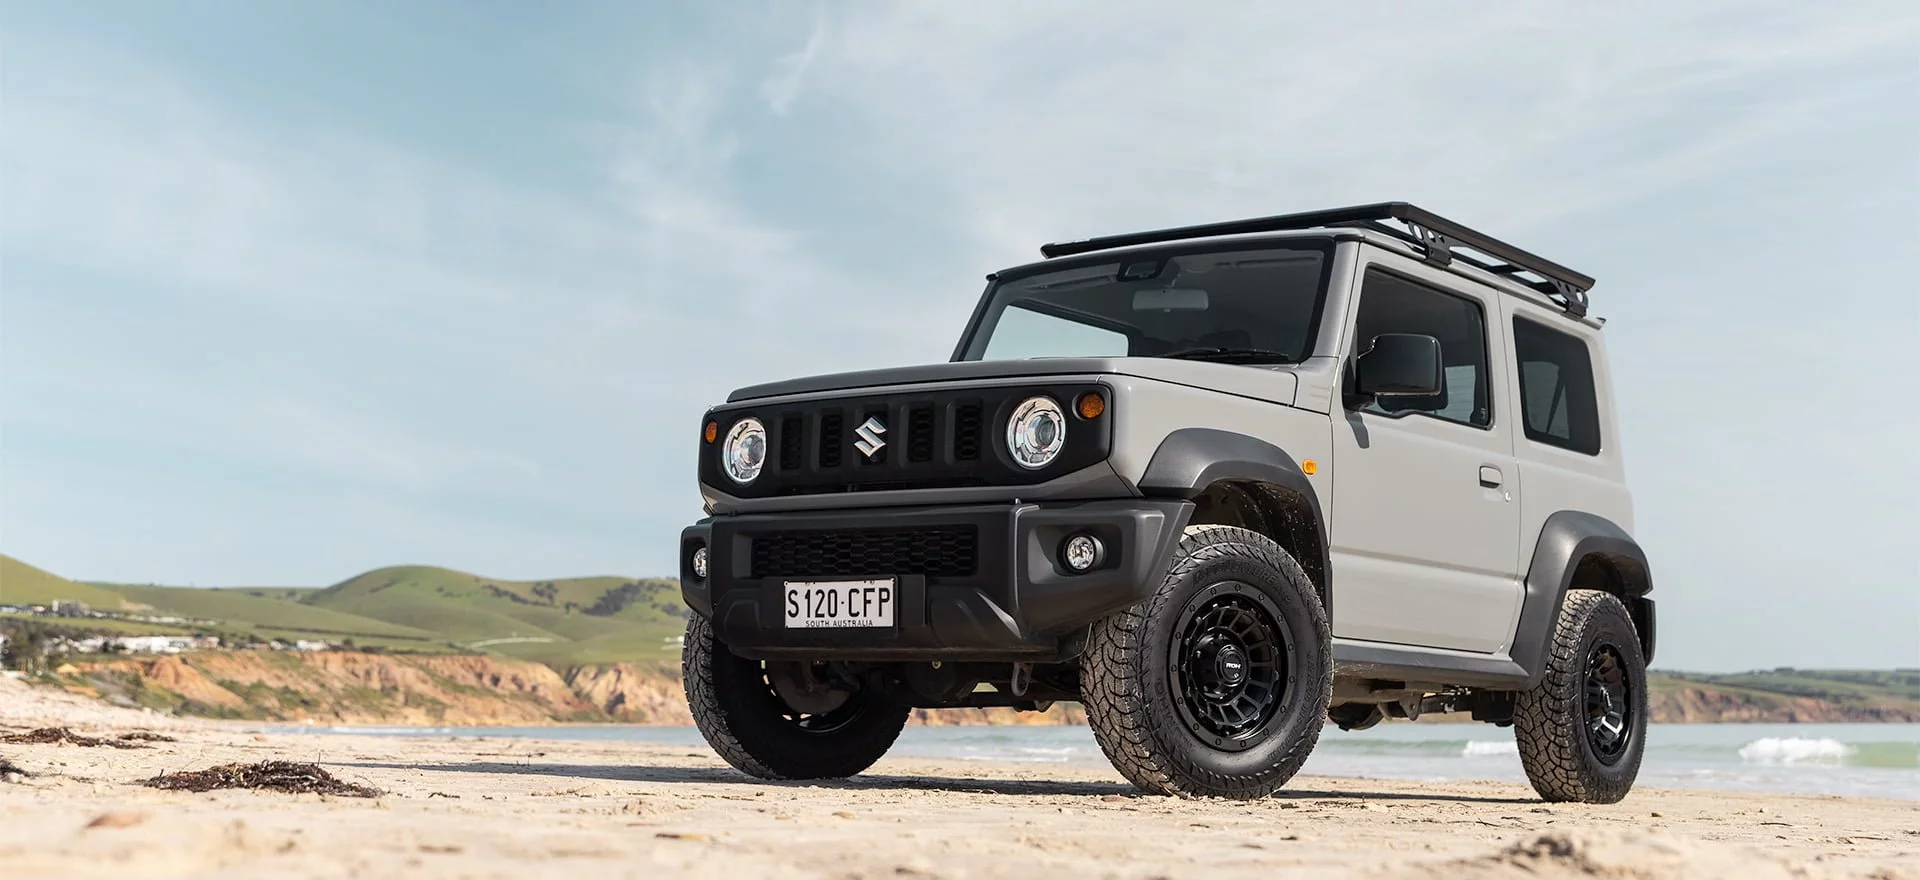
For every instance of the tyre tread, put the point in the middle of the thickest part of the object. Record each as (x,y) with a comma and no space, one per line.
(1544,726)
(1114,683)
(857,748)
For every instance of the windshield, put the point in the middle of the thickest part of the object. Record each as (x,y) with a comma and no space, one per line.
(1250,306)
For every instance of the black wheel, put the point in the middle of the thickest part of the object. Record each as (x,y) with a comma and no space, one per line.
(1217,685)
(1583,729)
(782,720)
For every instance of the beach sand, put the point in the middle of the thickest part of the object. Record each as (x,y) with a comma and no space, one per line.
(525,808)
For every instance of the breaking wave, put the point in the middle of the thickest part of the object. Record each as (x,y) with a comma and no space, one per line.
(1795,750)
(1480,748)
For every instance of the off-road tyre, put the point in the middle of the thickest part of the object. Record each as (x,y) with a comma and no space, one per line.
(753,729)
(1132,686)
(1565,759)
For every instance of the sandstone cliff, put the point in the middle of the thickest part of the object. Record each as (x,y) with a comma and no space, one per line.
(344,687)
(1695,705)
(341,687)
(623,692)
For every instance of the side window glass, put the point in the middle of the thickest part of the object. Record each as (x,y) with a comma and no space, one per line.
(1391,304)
(1023,333)
(1558,404)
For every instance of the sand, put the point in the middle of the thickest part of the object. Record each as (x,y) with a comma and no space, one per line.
(524,808)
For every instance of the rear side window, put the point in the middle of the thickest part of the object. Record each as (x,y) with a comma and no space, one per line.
(1557,400)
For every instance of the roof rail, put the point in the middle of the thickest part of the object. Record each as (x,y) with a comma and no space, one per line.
(1435,235)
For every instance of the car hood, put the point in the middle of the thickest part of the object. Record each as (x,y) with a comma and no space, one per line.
(1276,384)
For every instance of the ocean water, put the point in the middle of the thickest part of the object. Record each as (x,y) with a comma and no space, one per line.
(1872,760)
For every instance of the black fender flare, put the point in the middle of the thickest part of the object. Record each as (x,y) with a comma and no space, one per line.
(1567,538)
(1189,460)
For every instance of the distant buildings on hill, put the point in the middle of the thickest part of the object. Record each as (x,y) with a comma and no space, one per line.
(68,609)
(71,609)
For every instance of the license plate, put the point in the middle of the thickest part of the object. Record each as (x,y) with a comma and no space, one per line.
(833,604)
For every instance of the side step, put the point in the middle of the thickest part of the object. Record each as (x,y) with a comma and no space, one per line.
(1412,667)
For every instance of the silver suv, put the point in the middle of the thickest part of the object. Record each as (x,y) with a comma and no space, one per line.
(1222,485)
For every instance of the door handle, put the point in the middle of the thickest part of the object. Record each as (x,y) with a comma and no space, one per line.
(1490,476)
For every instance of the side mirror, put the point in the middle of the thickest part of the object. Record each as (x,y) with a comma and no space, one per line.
(1398,365)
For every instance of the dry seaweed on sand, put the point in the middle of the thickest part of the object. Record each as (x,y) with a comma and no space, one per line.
(285,776)
(9,770)
(51,735)
(147,736)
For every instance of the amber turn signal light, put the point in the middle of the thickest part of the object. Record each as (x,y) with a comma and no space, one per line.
(713,430)
(1090,405)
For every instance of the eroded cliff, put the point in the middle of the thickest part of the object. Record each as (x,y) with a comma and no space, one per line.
(345,687)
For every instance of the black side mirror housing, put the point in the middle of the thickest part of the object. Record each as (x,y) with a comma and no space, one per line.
(1397,365)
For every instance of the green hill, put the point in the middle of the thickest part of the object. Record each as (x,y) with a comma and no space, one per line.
(613,617)
(22,584)
(563,622)
(1786,694)
(1840,685)
(262,612)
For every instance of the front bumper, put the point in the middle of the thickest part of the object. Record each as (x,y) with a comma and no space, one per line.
(974,581)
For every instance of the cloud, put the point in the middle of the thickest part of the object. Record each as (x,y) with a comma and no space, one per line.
(1089,118)
(781,86)
(192,288)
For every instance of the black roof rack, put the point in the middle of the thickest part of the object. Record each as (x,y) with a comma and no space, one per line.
(1434,234)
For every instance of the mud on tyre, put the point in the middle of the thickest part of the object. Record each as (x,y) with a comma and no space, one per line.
(817,730)
(1217,685)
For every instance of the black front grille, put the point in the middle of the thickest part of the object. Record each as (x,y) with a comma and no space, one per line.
(966,432)
(833,428)
(943,551)
(925,439)
(793,443)
(920,438)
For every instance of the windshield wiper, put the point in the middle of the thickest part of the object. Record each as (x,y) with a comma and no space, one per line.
(1223,355)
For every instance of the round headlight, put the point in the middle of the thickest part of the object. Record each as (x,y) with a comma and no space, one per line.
(746,450)
(1037,432)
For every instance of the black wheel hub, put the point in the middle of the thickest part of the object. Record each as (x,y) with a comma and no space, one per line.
(807,699)
(1229,665)
(1609,704)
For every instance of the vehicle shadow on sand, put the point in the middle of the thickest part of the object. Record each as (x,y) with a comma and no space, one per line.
(883,782)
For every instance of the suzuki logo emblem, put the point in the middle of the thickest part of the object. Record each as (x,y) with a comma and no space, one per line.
(870,431)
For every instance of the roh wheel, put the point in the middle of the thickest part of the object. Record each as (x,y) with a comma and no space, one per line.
(782,720)
(1217,685)
(1230,662)
(1582,729)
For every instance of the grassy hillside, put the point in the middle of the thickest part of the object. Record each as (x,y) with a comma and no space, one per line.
(419,609)
(22,584)
(559,622)
(1787,695)
(1839,685)
(262,612)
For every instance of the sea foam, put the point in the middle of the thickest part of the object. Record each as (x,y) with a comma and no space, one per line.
(1480,748)
(1795,750)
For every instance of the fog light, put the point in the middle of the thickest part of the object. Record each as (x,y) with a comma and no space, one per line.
(1082,552)
(700,562)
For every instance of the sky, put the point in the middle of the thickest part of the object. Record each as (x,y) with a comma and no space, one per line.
(293,291)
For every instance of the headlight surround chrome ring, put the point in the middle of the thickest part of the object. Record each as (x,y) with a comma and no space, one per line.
(1037,432)
(745,452)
